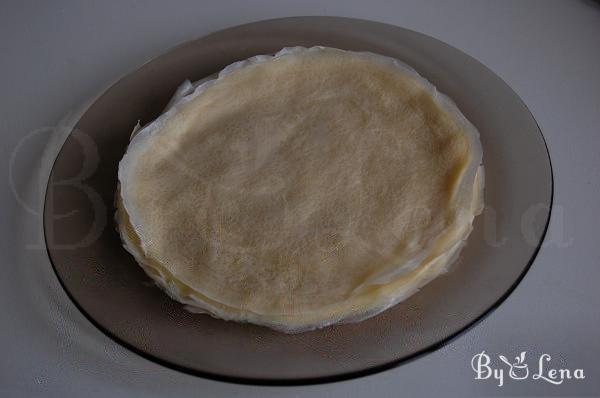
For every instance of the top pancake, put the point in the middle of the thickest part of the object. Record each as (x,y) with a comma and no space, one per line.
(295,188)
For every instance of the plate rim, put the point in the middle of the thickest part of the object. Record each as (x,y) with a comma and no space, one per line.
(370,370)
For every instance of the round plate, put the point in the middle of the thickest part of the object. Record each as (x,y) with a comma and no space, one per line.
(109,287)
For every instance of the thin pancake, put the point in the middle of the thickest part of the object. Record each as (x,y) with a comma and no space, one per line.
(298,190)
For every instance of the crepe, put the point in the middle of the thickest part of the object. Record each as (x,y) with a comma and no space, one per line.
(301,189)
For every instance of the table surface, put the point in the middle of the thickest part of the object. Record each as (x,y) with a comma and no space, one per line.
(56,56)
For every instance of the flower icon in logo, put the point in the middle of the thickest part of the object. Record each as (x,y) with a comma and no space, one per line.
(518,369)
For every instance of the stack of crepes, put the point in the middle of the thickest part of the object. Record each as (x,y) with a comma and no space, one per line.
(302,189)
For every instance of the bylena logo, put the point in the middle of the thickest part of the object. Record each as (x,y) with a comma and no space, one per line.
(519,369)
